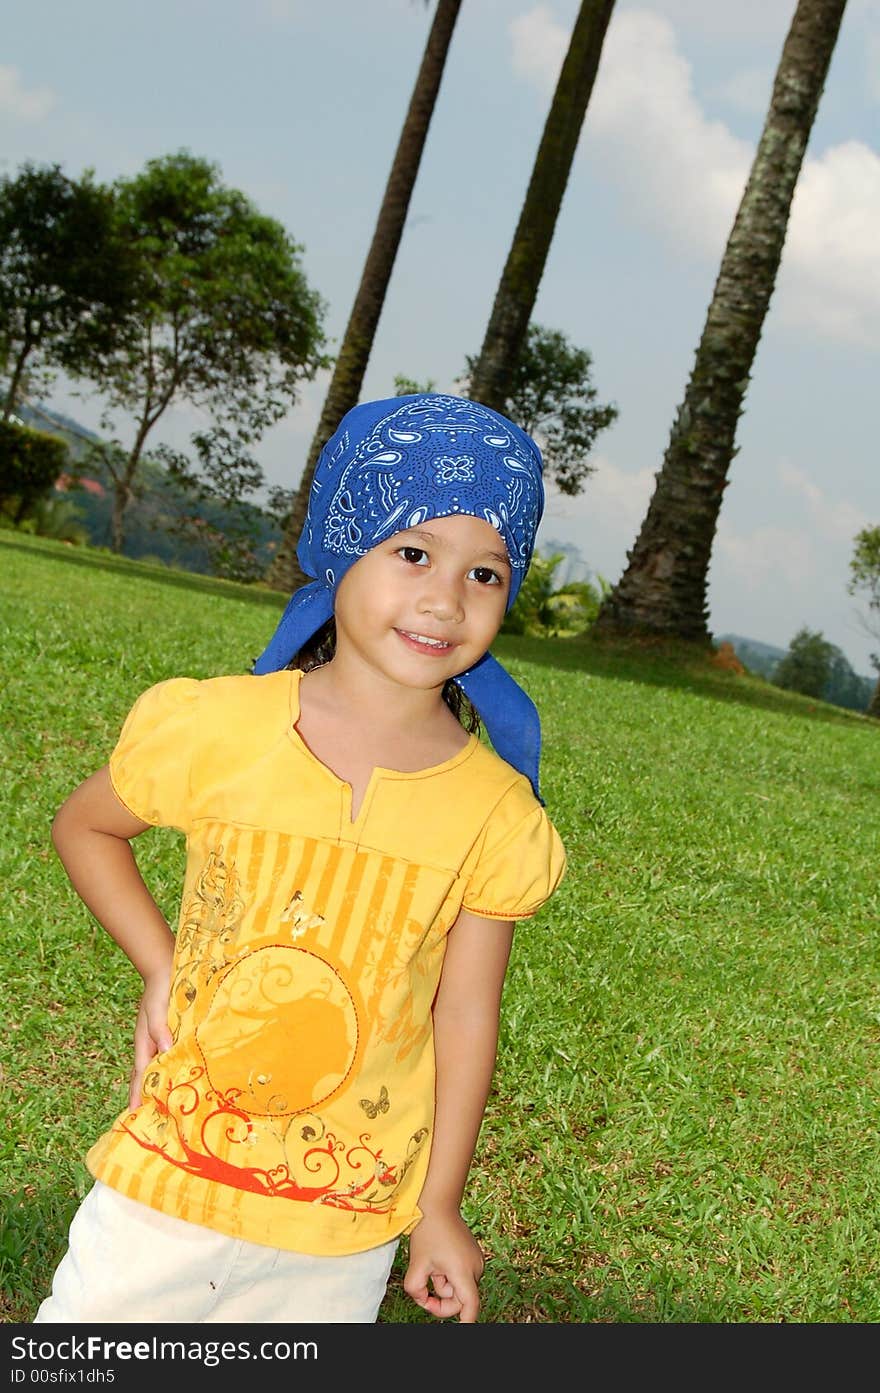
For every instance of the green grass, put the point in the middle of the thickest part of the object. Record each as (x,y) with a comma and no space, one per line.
(683,1122)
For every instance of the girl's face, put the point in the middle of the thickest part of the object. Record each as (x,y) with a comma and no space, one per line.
(426,604)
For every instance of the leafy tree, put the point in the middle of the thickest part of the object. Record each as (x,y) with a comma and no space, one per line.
(551,395)
(844,686)
(30,462)
(865,568)
(663,588)
(493,373)
(806,666)
(363,321)
(224,318)
(65,277)
(408,387)
(865,580)
(540,610)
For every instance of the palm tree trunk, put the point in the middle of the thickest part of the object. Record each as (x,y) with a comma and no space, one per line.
(351,363)
(517,291)
(663,588)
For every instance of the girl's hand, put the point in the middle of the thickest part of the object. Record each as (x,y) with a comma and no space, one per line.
(151,1033)
(444,1253)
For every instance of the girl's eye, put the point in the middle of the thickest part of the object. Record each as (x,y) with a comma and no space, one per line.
(485,575)
(414,555)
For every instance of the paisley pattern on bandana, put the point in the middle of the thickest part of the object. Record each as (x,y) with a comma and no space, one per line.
(427,456)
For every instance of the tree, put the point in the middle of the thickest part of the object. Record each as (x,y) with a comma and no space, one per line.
(224,318)
(222,484)
(806,666)
(543,611)
(494,372)
(551,395)
(65,277)
(351,362)
(844,686)
(408,387)
(865,579)
(663,588)
(30,462)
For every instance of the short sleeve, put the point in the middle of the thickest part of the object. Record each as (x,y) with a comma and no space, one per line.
(150,765)
(521,860)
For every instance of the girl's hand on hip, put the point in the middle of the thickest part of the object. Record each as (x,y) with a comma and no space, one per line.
(151,1033)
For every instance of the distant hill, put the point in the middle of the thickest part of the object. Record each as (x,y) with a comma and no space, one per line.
(845,688)
(40,417)
(150,532)
(760,658)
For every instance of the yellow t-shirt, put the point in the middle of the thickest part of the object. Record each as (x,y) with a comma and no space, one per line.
(295,1106)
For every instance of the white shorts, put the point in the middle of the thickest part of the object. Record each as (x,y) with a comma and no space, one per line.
(127,1262)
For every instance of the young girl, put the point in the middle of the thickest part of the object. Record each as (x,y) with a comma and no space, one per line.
(315,1045)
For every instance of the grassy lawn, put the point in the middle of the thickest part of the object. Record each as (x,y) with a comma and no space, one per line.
(683,1122)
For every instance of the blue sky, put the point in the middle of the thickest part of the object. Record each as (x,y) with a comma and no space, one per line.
(300,104)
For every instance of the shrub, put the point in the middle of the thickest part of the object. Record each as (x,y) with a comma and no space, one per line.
(30,462)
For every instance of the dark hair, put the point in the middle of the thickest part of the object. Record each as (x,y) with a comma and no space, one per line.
(319,649)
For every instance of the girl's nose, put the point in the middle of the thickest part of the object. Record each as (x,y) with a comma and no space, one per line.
(442,598)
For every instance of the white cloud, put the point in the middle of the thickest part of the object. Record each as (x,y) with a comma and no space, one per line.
(837,520)
(539,45)
(644,124)
(749,90)
(613,499)
(21,103)
(771,581)
(283,10)
(766,556)
(602,521)
(747,19)
(684,173)
(830,273)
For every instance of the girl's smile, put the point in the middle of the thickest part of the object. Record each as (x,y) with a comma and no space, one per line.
(422,642)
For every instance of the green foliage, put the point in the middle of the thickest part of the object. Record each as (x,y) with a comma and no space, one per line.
(540,610)
(182,518)
(30,462)
(844,686)
(66,276)
(554,400)
(57,517)
(226,476)
(865,580)
(408,387)
(676,1131)
(224,318)
(865,565)
(806,666)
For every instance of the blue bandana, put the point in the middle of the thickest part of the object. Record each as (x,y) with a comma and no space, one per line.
(395,464)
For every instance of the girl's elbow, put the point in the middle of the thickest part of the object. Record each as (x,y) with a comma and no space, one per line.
(64,824)
(59,827)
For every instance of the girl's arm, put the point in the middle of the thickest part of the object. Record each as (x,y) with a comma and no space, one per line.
(442,1249)
(91,832)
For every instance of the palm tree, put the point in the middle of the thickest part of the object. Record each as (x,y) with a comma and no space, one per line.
(492,377)
(351,363)
(663,588)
